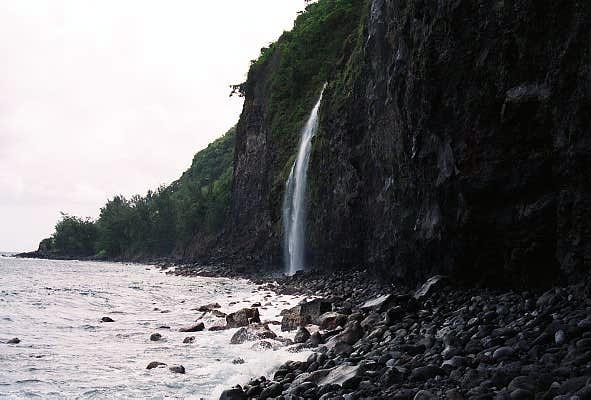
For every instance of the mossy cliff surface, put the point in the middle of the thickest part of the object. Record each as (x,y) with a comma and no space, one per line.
(454,138)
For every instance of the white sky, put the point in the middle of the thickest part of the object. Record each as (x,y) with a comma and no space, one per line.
(105,97)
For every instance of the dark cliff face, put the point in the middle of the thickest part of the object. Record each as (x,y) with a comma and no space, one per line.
(250,219)
(462,144)
(454,138)
(280,91)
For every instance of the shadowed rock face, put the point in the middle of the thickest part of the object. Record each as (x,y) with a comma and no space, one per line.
(250,220)
(461,146)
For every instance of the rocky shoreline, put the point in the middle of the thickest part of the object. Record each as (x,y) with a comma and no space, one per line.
(374,340)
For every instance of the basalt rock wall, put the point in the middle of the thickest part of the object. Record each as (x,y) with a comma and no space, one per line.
(461,144)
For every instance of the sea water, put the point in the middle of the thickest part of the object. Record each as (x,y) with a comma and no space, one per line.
(55,308)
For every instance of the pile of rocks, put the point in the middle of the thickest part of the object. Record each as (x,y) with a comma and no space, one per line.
(375,341)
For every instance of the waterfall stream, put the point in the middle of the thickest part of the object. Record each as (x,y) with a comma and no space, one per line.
(294,201)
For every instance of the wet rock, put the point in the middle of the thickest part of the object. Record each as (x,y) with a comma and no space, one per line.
(177,369)
(343,348)
(412,349)
(252,333)
(208,307)
(424,395)
(546,299)
(292,320)
(450,352)
(189,339)
(193,328)
(584,324)
(262,345)
(585,392)
(304,314)
(583,344)
(377,333)
(272,390)
(434,283)
(107,319)
(372,319)
(521,394)
(243,317)
(155,337)
(218,313)
(339,374)
(453,394)
(573,384)
(391,376)
(315,338)
(356,316)
(216,328)
(155,364)
(331,320)
(254,390)
(393,315)
(526,383)
(377,304)
(351,383)
(301,388)
(233,394)
(350,335)
(426,372)
(315,308)
(455,362)
(302,335)
(404,394)
(560,337)
(14,341)
(503,353)
(285,341)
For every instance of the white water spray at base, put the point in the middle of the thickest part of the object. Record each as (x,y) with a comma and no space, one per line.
(294,201)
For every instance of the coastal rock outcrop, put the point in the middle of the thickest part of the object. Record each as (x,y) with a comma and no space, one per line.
(302,335)
(305,313)
(177,369)
(155,364)
(331,320)
(198,327)
(233,394)
(243,317)
(251,333)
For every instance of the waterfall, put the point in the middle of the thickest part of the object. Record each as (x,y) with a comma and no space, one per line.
(294,200)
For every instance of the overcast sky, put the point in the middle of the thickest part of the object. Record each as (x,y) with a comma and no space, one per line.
(105,97)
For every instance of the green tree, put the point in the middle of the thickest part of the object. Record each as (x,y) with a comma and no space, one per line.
(74,236)
(114,227)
